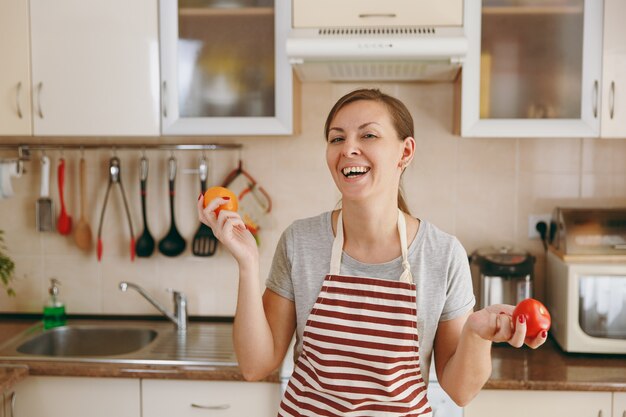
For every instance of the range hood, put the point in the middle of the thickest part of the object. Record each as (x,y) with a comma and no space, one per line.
(395,40)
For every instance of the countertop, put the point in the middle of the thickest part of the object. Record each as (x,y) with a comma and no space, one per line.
(549,368)
(546,368)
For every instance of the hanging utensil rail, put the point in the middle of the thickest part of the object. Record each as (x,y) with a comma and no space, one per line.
(24,149)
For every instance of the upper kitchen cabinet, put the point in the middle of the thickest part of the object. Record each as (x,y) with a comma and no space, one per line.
(224,69)
(533,68)
(95,67)
(614,71)
(15,114)
(79,68)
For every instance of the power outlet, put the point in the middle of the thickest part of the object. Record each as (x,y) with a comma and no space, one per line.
(533,219)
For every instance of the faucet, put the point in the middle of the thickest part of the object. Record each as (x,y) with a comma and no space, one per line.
(179,317)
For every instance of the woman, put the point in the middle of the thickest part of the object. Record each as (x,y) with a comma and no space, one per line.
(398,287)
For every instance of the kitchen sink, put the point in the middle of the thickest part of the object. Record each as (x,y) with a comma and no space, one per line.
(87,341)
(125,341)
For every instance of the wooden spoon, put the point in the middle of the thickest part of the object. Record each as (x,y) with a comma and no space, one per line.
(82,234)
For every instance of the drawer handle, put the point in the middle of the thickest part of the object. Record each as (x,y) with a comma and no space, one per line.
(211,407)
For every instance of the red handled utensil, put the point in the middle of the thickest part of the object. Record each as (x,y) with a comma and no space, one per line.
(64,224)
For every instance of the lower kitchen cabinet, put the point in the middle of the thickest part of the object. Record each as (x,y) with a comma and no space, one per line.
(51,396)
(167,398)
(523,403)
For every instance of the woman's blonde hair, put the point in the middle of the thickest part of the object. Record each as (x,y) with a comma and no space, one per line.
(400,118)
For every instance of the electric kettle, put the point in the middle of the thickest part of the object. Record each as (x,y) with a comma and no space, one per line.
(505,275)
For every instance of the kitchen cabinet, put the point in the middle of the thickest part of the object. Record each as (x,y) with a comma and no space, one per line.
(72,67)
(15,114)
(95,67)
(49,396)
(533,68)
(165,398)
(619,404)
(224,68)
(495,403)
(614,71)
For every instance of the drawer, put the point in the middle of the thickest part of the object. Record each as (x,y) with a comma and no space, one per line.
(169,398)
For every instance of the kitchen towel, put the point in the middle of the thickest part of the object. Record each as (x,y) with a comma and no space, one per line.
(8,170)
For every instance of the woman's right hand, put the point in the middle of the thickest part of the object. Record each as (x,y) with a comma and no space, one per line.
(230,230)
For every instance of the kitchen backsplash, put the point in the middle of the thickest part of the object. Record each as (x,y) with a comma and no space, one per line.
(481,190)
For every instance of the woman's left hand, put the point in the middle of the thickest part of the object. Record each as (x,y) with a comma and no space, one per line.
(495,323)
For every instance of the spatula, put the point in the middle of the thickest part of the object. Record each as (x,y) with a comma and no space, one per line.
(204,241)
(82,233)
(44,207)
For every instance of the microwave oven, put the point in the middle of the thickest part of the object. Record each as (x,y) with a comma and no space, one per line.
(587,303)
(586,281)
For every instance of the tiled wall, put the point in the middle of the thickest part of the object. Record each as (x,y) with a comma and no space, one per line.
(481,190)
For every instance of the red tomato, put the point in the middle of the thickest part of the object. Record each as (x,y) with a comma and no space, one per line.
(536,315)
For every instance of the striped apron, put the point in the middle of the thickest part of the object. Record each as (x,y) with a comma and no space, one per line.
(360,352)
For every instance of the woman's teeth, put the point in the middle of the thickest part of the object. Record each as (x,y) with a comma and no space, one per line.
(354,171)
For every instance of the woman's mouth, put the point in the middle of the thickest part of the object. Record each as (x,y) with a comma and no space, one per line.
(353,172)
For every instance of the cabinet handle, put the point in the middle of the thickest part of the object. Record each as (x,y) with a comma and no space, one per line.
(595,99)
(39,87)
(211,407)
(165,99)
(18,93)
(366,15)
(612,100)
(13,404)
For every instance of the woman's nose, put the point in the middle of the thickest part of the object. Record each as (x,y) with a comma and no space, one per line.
(350,147)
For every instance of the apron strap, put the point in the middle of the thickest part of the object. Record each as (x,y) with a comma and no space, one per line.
(337,250)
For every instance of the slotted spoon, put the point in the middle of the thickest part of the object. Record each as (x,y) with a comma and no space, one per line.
(204,241)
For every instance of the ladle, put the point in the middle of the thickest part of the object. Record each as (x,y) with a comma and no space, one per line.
(173,243)
(145,244)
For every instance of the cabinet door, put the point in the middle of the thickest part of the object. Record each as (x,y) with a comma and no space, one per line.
(47,396)
(614,71)
(225,69)
(162,398)
(520,403)
(95,67)
(15,115)
(524,74)
(619,404)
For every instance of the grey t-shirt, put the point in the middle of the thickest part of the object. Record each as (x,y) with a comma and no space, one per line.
(439,267)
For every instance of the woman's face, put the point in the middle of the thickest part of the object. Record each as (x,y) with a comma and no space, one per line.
(364,154)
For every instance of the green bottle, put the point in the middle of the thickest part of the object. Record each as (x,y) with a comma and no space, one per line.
(54,310)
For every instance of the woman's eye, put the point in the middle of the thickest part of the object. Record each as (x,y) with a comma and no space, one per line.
(335,139)
(369,136)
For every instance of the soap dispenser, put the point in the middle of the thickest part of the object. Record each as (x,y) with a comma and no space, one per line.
(54,310)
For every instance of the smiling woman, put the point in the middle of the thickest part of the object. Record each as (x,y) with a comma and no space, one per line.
(369,290)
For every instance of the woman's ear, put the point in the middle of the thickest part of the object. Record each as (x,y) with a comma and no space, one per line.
(407,152)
